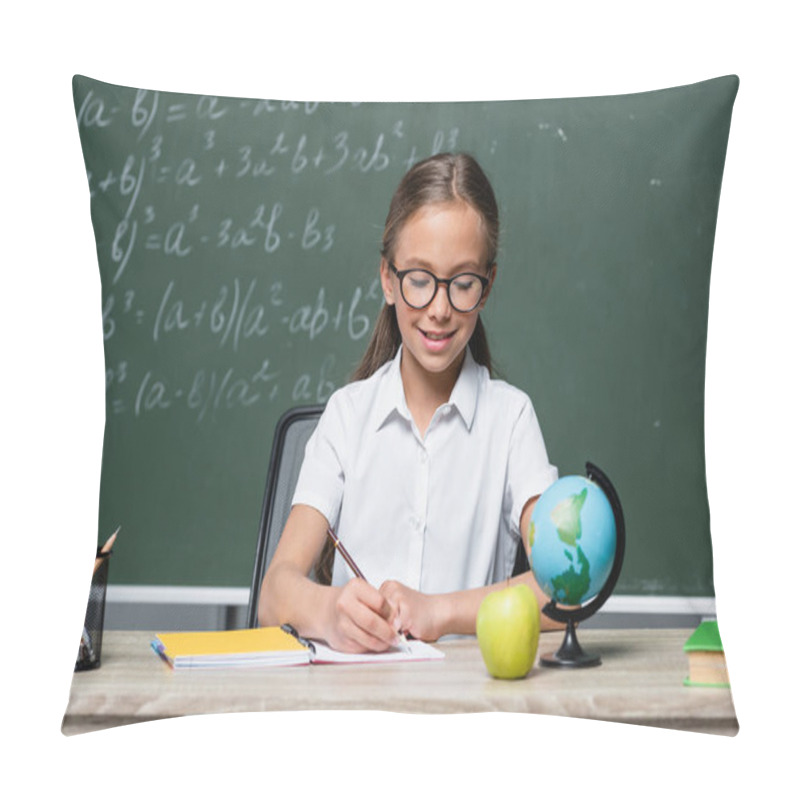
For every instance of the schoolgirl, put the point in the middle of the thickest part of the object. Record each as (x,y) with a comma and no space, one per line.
(426,466)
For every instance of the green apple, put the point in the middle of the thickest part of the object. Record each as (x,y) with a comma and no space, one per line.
(507,626)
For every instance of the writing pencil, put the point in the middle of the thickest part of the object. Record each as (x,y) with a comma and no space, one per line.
(345,555)
(358,573)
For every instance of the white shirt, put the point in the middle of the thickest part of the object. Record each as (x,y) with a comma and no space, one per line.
(439,513)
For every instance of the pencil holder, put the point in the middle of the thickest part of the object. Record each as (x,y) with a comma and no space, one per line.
(91,645)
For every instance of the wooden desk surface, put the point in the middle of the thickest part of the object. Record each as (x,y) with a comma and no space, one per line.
(639,682)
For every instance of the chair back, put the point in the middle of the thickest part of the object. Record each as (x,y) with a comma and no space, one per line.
(288,448)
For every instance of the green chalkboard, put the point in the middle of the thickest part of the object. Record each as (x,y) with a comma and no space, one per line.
(238,240)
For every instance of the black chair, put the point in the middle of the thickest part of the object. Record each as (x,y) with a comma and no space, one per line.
(521,561)
(288,448)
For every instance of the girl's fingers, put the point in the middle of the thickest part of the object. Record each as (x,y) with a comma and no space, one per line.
(401,616)
(366,616)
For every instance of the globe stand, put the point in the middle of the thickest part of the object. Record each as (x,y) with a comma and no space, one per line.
(571,655)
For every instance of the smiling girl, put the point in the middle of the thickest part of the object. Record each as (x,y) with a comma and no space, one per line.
(427,468)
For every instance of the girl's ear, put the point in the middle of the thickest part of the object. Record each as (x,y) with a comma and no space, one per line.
(492,276)
(386,283)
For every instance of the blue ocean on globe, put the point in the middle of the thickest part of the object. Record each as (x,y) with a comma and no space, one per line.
(573,539)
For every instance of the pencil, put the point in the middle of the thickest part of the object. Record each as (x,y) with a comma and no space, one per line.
(345,555)
(359,574)
(106,548)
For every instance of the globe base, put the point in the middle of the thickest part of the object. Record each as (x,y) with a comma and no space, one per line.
(570,655)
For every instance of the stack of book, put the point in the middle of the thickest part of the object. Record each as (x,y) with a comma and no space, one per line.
(707,665)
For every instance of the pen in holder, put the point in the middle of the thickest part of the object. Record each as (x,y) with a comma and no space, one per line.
(92,635)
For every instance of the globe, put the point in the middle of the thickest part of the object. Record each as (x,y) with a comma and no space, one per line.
(573,540)
(577,544)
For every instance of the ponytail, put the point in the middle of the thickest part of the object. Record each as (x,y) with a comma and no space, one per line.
(479,347)
(383,345)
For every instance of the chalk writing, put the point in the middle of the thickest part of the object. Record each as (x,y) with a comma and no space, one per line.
(208,392)
(225,239)
(315,388)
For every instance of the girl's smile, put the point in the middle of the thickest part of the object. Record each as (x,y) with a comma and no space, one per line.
(436,342)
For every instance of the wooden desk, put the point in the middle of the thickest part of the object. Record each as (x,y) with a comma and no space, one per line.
(639,682)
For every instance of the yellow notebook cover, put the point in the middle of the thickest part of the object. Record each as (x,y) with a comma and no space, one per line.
(249,646)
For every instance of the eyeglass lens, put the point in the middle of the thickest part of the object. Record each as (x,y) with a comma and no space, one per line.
(419,288)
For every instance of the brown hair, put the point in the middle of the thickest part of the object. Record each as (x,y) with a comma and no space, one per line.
(443,178)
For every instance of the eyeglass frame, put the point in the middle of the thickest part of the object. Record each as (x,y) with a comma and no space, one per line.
(401,273)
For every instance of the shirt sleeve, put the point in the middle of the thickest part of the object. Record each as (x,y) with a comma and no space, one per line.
(529,469)
(320,483)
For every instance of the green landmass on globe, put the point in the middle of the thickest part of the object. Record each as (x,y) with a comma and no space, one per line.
(571,585)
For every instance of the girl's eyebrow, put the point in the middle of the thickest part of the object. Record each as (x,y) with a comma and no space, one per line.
(464,266)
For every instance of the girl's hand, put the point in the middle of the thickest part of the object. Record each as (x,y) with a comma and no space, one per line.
(417,614)
(359,619)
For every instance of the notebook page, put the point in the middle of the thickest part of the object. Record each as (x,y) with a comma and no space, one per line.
(417,651)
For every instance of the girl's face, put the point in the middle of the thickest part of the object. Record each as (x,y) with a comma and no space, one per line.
(446,239)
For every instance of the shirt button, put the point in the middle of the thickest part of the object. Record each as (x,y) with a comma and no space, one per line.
(423,456)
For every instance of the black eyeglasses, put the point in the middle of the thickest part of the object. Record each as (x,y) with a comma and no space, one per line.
(419,286)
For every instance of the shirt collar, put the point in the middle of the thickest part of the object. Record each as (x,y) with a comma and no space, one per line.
(391,396)
(464,397)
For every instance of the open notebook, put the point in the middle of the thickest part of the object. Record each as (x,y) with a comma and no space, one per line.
(272,646)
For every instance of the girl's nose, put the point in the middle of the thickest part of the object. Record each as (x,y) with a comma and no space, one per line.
(440,305)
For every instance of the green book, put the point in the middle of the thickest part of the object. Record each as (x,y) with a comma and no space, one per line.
(707,665)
